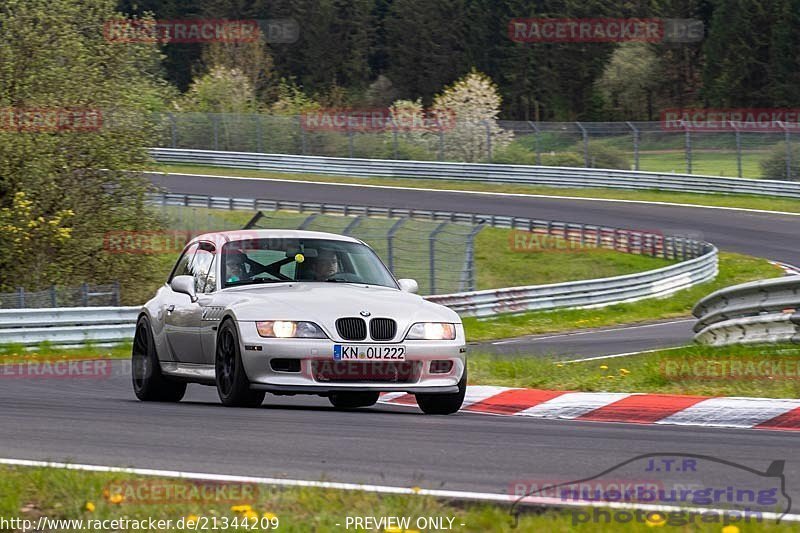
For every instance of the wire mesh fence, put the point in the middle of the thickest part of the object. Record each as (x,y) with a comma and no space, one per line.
(440,256)
(647,146)
(84,295)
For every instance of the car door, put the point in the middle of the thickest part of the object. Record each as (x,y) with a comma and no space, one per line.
(179,309)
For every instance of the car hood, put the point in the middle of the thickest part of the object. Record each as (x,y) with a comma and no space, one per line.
(325,302)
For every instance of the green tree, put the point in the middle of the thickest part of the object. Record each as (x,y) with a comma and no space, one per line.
(53,56)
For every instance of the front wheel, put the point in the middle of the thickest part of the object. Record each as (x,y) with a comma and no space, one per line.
(353,400)
(443,404)
(149,384)
(233,386)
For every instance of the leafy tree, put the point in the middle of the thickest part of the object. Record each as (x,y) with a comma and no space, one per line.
(221,90)
(53,56)
(629,82)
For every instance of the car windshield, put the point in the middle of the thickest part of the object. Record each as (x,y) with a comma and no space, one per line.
(274,260)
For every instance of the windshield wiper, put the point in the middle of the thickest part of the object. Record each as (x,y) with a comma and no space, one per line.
(254,281)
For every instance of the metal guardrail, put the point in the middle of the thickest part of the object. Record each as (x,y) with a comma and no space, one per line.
(481,172)
(67,325)
(587,293)
(754,312)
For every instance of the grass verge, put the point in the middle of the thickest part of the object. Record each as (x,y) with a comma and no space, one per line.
(30,493)
(713,200)
(733,269)
(764,371)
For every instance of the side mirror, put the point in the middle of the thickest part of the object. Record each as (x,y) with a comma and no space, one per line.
(408,285)
(184,285)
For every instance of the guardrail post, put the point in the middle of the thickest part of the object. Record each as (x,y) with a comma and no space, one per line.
(738,147)
(468,273)
(259,135)
(585,144)
(54,296)
(788,138)
(21,297)
(173,127)
(488,139)
(635,145)
(114,294)
(536,141)
(394,140)
(390,242)
(688,137)
(302,135)
(441,140)
(215,125)
(432,252)
(85,294)
(353,225)
(350,146)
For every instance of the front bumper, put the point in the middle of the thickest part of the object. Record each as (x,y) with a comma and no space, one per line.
(257,353)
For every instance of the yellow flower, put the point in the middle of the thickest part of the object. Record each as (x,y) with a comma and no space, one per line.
(603,367)
(192,518)
(393,530)
(655,520)
(241,508)
(116,498)
(251,515)
(89,507)
(559,365)
(610,377)
(624,371)
(730,529)
(415,490)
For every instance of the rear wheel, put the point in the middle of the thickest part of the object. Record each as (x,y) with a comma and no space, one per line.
(443,404)
(233,386)
(353,400)
(149,384)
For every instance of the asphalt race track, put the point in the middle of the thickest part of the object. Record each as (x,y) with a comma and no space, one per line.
(595,342)
(99,421)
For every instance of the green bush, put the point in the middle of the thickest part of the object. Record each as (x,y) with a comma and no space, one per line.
(562,159)
(773,167)
(603,155)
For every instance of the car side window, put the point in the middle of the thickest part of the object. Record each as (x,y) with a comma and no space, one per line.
(201,266)
(183,266)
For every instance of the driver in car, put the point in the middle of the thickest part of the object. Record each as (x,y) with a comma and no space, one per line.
(325,265)
(235,269)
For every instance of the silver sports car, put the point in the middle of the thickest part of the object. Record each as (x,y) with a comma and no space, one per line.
(295,312)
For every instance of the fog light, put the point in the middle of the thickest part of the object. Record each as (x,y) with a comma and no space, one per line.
(441,366)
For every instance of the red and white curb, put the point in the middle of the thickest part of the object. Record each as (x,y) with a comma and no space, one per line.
(632,408)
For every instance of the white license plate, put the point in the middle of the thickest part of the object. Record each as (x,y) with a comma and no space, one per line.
(361,352)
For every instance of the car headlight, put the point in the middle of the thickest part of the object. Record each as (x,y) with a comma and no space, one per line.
(285,329)
(432,331)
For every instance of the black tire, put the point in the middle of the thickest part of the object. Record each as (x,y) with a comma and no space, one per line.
(353,400)
(149,384)
(233,386)
(443,404)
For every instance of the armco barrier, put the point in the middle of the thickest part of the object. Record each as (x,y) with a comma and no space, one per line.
(67,325)
(495,173)
(754,312)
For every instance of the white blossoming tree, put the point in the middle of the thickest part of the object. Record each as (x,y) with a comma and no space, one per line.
(467,111)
